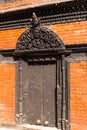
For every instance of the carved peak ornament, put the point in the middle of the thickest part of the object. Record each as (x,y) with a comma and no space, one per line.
(35,21)
(38,37)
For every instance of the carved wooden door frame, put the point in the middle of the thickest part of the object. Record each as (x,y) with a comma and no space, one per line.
(39,44)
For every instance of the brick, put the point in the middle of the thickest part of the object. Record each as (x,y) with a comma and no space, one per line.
(25,3)
(7,93)
(71,33)
(68,33)
(8,38)
(78,95)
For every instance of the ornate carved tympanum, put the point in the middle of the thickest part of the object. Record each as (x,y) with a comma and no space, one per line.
(38,37)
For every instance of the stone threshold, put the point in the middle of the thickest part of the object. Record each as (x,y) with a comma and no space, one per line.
(37,127)
(27,127)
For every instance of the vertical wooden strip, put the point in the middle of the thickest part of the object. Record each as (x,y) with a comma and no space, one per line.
(63,95)
(59,94)
(35,94)
(49,87)
(67,79)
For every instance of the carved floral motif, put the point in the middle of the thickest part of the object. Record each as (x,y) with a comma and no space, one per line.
(37,37)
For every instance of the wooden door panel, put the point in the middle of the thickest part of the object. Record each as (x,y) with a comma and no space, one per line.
(49,88)
(35,109)
(42,94)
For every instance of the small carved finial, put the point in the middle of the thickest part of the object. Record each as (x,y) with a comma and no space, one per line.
(35,21)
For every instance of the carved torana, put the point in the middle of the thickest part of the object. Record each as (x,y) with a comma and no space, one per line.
(38,37)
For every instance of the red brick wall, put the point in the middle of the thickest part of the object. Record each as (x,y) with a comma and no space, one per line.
(70,33)
(7,93)
(78,95)
(25,3)
(8,38)
(19,4)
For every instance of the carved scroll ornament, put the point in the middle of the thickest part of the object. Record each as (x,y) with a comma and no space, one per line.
(37,37)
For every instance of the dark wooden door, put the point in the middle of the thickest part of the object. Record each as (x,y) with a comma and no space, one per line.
(42,94)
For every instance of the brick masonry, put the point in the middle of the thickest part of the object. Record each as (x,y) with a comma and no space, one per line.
(8,38)
(7,6)
(7,93)
(70,33)
(78,95)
